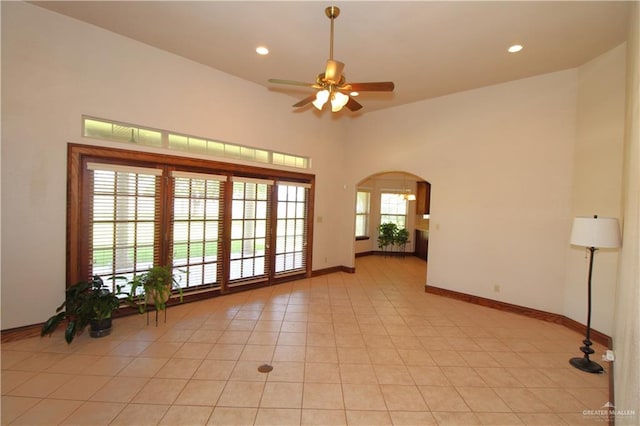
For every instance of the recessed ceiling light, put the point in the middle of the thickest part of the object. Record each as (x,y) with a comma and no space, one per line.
(354,93)
(515,48)
(261,50)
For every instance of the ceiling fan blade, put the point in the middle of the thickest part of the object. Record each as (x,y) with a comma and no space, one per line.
(293,83)
(352,104)
(333,73)
(380,86)
(305,101)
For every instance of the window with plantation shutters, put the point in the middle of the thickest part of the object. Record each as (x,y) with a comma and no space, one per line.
(219,226)
(291,228)
(123,224)
(196,228)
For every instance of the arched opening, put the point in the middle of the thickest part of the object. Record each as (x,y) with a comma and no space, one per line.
(399,198)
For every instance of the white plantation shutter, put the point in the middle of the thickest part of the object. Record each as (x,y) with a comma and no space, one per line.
(123,220)
(196,228)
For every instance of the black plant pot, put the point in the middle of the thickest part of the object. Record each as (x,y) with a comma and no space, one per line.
(100,328)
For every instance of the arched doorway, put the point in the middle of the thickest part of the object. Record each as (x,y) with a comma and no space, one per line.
(398,197)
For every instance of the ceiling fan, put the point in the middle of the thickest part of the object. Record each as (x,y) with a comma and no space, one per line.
(331,84)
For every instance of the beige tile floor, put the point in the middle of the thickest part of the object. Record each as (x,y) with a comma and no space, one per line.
(370,348)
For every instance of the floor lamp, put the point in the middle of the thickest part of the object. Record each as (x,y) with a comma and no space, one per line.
(594,233)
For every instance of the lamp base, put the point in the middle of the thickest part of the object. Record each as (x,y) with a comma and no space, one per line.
(585,364)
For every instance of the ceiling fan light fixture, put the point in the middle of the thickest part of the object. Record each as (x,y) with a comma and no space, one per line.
(338,100)
(332,85)
(321,98)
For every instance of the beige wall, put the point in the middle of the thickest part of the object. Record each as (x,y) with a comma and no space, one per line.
(597,182)
(510,166)
(626,334)
(499,163)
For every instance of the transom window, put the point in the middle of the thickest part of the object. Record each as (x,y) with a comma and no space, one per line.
(99,128)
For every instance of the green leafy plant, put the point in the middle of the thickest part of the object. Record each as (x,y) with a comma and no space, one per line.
(153,287)
(84,302)
(386,236)
(390,235)
(401,238)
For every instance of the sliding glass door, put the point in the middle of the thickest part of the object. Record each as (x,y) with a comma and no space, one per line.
(292,228)
(250,223)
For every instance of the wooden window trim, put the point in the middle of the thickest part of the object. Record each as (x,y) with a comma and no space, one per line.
(78,155)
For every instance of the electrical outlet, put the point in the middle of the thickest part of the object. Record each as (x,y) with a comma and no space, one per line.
(496,288)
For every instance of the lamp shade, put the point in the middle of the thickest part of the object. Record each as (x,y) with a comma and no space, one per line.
(338,100)
(321,98)
(599,232)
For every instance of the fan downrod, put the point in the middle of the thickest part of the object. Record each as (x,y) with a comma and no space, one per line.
(332,12)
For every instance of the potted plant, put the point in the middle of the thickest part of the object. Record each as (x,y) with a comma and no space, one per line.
(86,303)
(387,234)
(401,238)
(153,287)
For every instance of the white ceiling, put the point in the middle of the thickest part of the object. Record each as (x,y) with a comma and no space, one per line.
(428,48)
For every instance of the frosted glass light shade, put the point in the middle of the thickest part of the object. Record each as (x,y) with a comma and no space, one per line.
(321,98)
(338,100)
(599,232)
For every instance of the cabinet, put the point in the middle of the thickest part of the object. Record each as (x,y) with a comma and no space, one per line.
(422,244)
(423,197)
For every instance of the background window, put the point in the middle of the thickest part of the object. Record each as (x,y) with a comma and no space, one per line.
(363,204)
(393,209)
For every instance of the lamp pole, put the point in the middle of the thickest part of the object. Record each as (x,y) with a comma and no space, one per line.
(584,363)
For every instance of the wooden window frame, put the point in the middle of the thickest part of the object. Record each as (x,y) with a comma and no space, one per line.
(77,265)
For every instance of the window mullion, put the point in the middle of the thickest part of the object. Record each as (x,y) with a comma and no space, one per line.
(226,235)
(165,214)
